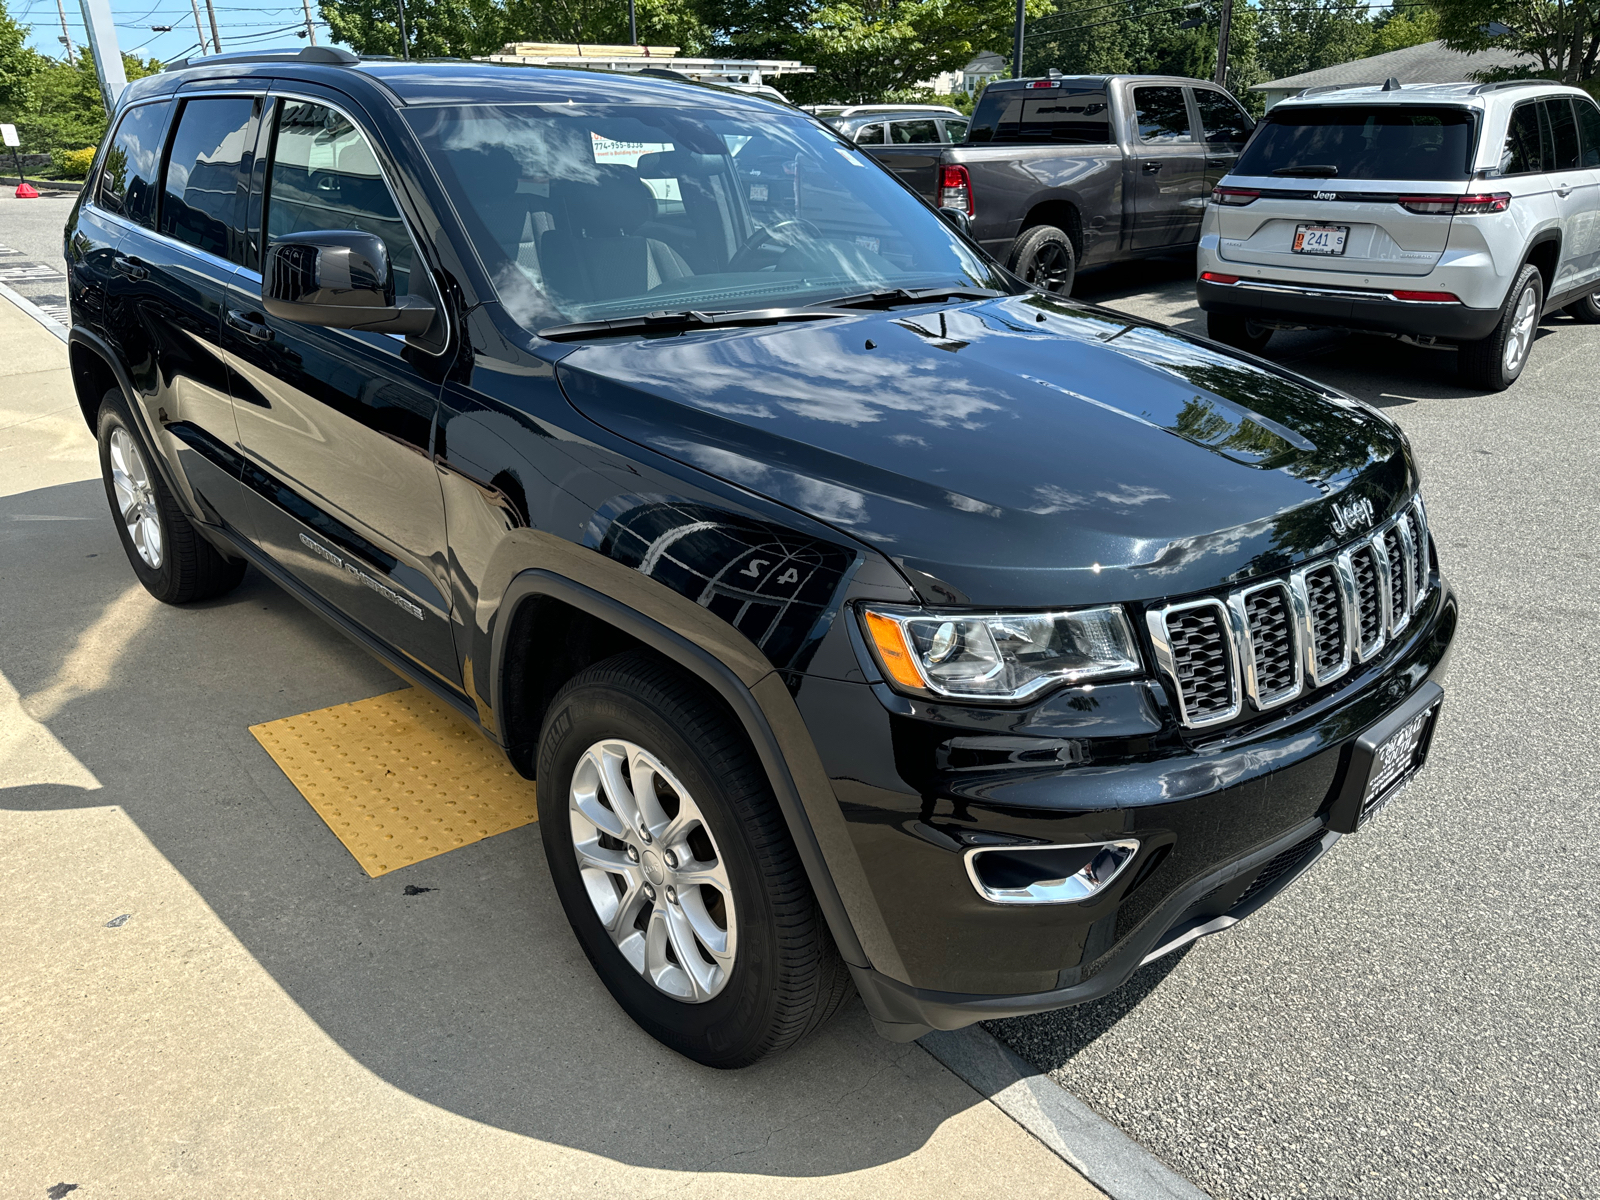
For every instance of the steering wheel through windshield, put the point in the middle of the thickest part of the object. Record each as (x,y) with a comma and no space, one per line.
(784,233)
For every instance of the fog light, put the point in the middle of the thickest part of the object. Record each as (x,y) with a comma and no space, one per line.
(1047,874)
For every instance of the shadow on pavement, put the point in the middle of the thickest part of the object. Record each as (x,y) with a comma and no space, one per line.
(473,997)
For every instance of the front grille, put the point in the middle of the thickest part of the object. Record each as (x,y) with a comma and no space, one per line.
(1399,571)
(1268,616)
(1326,608)
(1369,601)
(1312,626)
(1200,653)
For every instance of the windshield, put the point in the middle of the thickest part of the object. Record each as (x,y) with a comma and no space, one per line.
(1381,142)
(597,212)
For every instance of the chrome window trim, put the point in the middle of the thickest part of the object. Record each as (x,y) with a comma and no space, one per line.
(416,243)
(1237,610)
(1156,621)
(216,260)
(1301,595)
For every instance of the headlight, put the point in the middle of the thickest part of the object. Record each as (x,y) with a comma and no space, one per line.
(1000,656)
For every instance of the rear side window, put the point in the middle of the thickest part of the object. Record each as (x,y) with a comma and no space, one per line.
(1225,122)
(1589,128)
(325,176)
(913,133)
(1349,141)
(200,202)
(869,135)
(1063,116)
(1563,126)
(1161,114)
(133,164)
(955,131)
(1524,151)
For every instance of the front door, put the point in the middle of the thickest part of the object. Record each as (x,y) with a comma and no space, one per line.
(1169,170)
(337,425)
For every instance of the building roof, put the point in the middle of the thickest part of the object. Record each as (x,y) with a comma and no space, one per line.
(1430,62)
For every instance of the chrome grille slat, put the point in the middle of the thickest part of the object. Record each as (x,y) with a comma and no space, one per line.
(1271,641)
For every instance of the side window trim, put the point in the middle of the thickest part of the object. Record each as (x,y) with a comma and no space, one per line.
(97,178)
(267,149)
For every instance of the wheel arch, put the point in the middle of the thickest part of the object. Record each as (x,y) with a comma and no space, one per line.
(1060,210)
(95,371)
(1544,253)
(597,626)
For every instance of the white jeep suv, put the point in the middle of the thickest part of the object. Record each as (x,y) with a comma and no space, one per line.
(1444,213)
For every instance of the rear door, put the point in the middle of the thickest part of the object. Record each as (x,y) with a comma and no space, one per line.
(337,425)
(1169,169)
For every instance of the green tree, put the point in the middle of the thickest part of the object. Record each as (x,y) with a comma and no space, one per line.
(461,28)
(1294,38)
(19,67)
(1562,36)
(1397,28)
(65,109)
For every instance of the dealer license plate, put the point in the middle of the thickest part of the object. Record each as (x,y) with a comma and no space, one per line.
(1320,239)
(1396,761)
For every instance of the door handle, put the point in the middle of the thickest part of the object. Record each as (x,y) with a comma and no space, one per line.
(131,267)
(1150,168)
(1564,190)
(254,330)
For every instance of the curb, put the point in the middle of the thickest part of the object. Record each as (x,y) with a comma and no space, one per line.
(34,311)
(1087,1142)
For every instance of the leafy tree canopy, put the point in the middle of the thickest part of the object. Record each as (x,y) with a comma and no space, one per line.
(1562,36)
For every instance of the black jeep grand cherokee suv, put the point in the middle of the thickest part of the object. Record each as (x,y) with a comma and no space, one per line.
(867,619)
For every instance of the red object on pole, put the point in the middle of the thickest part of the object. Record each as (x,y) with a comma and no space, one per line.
(26,191)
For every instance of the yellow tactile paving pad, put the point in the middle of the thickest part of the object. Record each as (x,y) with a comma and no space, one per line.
(399,778)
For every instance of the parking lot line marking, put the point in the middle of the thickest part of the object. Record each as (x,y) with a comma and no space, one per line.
(399,778)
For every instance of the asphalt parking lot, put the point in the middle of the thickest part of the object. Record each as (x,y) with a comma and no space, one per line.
(1414,1018)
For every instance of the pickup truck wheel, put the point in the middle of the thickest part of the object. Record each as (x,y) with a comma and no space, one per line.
(1238,332)
(1586,310)
(1044,257)
(675,867)
(1493,363)
(175,564)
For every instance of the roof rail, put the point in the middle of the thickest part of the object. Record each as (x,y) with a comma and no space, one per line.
(1511,83)
(1330,87)
(326,55)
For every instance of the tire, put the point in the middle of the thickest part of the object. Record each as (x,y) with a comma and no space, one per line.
(1044,257)
(1238,332)
(1586,310)
(775,975)
(175,564)
(1484,363)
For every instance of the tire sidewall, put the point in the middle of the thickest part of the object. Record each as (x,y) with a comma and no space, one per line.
(1528,277)
(159,581)
(725,1028)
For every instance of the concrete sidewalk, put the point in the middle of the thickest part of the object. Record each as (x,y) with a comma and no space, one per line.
(268,1021)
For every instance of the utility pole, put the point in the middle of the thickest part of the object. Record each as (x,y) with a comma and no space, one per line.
(66,36)
(216,38)
(633,26)
(405,52)
(1222,43)
(311,30)
(102,30)
(1016,50)
(199,29)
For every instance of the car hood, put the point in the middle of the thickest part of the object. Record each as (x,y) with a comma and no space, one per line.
(1021,451)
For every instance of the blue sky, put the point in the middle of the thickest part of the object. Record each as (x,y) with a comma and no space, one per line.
(243,27)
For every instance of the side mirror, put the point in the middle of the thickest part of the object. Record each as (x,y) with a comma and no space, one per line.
(958,219)
(339,279)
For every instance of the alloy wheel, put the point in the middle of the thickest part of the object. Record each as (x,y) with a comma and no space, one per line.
(652,870)
(1520,336)
(1051,268)
(136,498)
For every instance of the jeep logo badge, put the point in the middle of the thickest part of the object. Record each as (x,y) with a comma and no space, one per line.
(1327,195)
(1347,518)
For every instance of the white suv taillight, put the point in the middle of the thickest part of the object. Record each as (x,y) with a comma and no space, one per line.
(1466,206)
(1234,196)
(955,189)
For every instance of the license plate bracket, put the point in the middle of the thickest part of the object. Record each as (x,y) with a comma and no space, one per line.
(1384,758)
(1320,239)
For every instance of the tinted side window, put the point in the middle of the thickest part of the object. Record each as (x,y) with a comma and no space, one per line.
(1162,116)
(1225,122)
(200,202)
(869,135)
(955,131)
(133,163)
(1589,127)
(1524,151)
(324,175)
(1563,133)
(913,133)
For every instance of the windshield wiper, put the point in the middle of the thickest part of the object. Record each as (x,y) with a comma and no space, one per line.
(1309,171)
(671,322)
(893,296)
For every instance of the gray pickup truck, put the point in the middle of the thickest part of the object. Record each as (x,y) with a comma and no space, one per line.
(1076,171)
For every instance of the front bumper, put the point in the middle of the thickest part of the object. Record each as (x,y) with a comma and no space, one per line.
(1225,822)
(1370,310)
